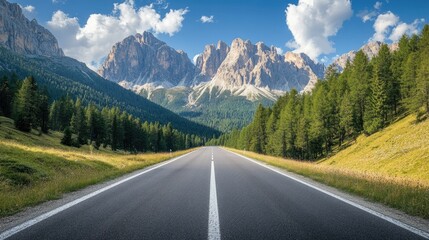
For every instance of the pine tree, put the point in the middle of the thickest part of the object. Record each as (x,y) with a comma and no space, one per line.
(422,81)
(376,116)
(346,119)
(259,138)
(422,93)
(44,112)
(67,137)
(302,135)
(409,84)
(6,96)
(26,106)
(359,88)
(81,125)
(54,116)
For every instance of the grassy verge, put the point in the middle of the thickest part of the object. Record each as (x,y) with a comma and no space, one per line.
(406,194)
(34,168)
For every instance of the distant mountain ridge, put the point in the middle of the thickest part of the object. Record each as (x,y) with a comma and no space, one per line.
(241,75)
(27,48)
(370,49)
(142,62)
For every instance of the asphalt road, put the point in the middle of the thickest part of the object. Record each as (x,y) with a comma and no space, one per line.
(231,198)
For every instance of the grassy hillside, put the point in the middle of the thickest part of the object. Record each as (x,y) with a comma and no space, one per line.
(37,168)
(400,150)
(390,167)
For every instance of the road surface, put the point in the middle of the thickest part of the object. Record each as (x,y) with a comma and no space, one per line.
(210,194)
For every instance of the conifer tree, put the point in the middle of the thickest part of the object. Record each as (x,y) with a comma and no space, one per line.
(359,88)
(115,133)
(26,109)
(376,116)
(6,96)
(422,88)
(259,137)
(44,112)
(409,84)
(67,137)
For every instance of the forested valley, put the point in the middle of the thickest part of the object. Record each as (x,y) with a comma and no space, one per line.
(82,124)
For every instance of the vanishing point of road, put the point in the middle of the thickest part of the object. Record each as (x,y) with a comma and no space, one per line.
(210,193)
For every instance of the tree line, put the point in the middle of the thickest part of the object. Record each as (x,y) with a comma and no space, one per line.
(366,97)
(29,107)
(66,76)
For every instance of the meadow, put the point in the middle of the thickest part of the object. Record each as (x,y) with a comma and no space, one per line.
(36,168)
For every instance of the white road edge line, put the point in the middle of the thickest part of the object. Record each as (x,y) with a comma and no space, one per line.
(214,229)
(29,223)
(375,213)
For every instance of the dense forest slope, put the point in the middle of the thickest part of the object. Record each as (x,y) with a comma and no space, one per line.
(365,98)
(63,75)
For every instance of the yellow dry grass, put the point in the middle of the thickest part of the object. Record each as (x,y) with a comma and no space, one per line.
(36,168)
(390,167)
(401,150)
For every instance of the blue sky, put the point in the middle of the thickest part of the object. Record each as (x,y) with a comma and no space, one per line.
(256,20)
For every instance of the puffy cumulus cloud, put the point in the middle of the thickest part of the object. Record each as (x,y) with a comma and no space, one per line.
(92,42)
(313,22)
(207,19)
(389,26)
(383,24)
(404,28)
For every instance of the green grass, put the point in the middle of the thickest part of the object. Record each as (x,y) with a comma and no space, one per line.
(389,167)
(34,168)
(400,150)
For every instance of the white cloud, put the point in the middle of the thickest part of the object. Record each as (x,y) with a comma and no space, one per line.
(404,28)
(194,59)
(28,11)
(383,24)
(279,50)
(378,5)
(207,19)
(389,26)
(367,15)
(29,8)
(92,42)
(291,44)
(313,22)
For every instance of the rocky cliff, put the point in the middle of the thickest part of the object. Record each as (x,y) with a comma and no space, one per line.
(144,62)
(255,71)
(22,36)
(370,49)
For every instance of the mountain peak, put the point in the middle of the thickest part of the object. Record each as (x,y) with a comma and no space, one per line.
(23,36)
(370,49)
(143,60)
(149,39)
(221,45)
